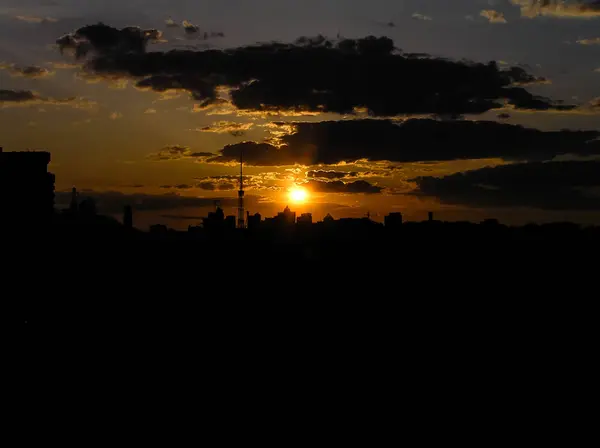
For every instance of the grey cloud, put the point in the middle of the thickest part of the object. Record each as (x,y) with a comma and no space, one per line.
(31,71)
(229,127)
(333,142)
(27,97)
(357,187)
(569,185)
(313,75)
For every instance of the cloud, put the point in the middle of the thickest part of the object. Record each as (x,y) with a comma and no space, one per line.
(177,152)
(548,186)
(64,65)
(30,71)
(313,75)
(172,152)
(589,41)
(230,127)
(334,142)
(357,187)
(577,9)
(113,202)
(170,23)
(329,174)
(190,28)
(419,16)
(493,16)
(10,98)
(116,115)
(105,40)
(230,183)
(33,19)
(150,111)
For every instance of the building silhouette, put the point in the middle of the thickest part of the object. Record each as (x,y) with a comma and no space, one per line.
(128,217)
(253,221)
(26,189)
(215,220)
(230,222)
(74,205)
(286,218)
(328,219)
(305,219)
(393,220)
(87,209)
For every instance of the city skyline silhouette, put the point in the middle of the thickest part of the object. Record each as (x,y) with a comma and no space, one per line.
(350,111)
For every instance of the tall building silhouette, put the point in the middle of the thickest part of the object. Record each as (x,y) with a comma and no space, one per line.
(26,189)
(74,205)
(241,224)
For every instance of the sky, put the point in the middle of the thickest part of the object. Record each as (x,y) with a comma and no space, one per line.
(471,109)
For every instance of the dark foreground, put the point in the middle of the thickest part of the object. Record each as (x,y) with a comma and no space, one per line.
(277,280)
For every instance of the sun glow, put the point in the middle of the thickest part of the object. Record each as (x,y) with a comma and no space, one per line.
(298,195)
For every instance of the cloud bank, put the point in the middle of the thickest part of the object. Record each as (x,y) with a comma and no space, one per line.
(334,142)
(311,75)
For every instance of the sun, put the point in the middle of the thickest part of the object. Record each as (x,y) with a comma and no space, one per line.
(298,195)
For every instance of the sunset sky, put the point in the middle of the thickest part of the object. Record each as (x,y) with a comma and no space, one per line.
(468,108)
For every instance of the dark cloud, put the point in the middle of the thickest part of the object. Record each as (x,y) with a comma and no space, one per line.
(262,154)
(190,28)
(30,71)
(357,187)
(112,202)
(202,154)
(210,186)
(103,40)
(311,75)
(231,182)
(17,96)
(26,97)
(332,142)
(548,186)
(227,127)
(329,174)
(177,152)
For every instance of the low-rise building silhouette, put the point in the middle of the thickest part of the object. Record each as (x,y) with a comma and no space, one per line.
(393,220)
(128,217)
(305,219)
(286,218)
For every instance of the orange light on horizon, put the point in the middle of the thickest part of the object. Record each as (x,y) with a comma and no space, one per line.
(298,195)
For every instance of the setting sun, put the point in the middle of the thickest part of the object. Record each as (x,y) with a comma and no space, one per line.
(298,195)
